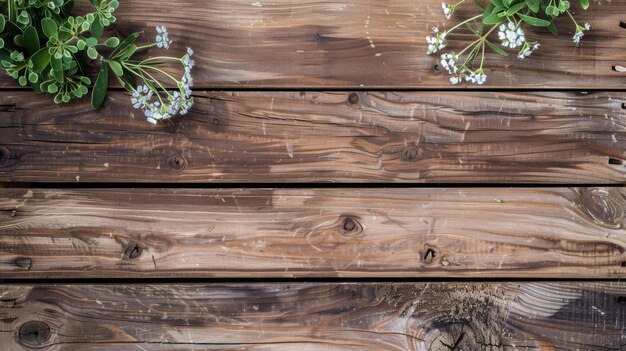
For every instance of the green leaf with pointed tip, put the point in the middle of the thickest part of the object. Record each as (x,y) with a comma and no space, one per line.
(515,8)
(31,39)
(100,87)
(494,18)
(533,5)
(584,4)
(96,27)
(50,28)
(496,48)
(116,68)
(125,44)
(112,42)
(2,23)
(40,60)
(534,21)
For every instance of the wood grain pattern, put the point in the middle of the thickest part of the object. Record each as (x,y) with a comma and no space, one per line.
(383,316)
(251,233)
(363,43)
(297,137)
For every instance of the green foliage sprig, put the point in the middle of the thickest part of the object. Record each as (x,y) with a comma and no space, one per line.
(504,20)
(43,45)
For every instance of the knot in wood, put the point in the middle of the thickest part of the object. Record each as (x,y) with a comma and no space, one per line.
(437,69)
(177,162)
(4,155)
(34,333)
(429,255)
(605,206)
(132,252)
(411,153)
(24,262)
(452,337)
(350,226)
(353,98)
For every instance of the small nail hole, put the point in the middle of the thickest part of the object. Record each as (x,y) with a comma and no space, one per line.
(622,24)
(615,161)
(623,263)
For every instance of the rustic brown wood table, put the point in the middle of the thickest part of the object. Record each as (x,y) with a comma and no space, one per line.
(329,191)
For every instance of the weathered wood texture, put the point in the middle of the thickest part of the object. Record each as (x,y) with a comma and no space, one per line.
(362,43)
(384,316)
(283,137)
(97,233)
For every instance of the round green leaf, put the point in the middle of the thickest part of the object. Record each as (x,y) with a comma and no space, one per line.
(53,88)
(2,22)
(22,81)
(91,42)
(92,53)
(116,68)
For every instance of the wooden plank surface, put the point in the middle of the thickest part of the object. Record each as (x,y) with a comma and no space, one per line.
(383,316)
(362,43)
(252,233)
(297,137)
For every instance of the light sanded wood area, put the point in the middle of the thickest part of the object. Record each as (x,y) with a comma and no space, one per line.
(252,233)
(385,316)
(299,137)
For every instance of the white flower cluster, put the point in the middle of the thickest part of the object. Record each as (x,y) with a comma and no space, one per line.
(511,35)
(449,60)
(436,43)
(580,32)
(162,39)
(167,104)
(447,10)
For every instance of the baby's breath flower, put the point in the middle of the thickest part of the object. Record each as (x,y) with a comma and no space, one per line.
(162,39)
(511,35)
(448,61)
(527,50)
(580,32)
(476,77)
(455,80)
(447,10)
(437,42)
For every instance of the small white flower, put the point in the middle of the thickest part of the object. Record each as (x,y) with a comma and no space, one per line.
(162,39)
(527,50)
(448,61)
(455,79)
(580,33)
(511,35)
(476,77)
(437,42)
(447,10)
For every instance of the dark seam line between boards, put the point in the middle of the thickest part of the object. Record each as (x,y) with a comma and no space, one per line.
(329,280)
(294,186)
(365,89)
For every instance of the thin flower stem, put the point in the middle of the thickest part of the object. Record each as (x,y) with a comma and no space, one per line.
(463,23)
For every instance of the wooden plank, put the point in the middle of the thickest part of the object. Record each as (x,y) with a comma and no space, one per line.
(293,137)
(362,43)
(251,233)
(299,316)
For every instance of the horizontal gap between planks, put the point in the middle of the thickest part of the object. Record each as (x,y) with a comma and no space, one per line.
(340,89)
(329,280)
(65,185)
